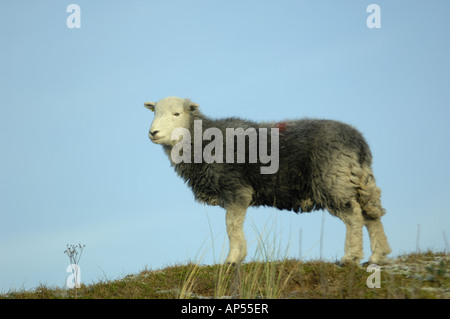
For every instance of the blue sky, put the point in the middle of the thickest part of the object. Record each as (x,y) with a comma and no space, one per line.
(77,166)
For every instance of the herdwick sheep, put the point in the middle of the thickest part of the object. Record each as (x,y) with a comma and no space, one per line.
(321,164)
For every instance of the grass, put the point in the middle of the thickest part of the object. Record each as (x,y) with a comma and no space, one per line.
(416,275)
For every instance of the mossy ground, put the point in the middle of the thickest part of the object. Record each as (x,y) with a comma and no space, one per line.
(424,275)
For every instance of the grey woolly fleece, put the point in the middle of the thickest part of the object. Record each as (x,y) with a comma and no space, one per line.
(320,167)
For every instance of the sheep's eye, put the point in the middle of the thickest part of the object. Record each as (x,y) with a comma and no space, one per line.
(176,114)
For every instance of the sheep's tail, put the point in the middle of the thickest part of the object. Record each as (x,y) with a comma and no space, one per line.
(369,194)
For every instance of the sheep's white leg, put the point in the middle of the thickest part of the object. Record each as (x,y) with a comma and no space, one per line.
(235,229)
(354,221)
(378,241)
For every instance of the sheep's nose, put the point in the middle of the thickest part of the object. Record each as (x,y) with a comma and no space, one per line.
(153,133)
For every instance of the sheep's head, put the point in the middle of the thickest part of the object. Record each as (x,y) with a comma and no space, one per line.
(170,113)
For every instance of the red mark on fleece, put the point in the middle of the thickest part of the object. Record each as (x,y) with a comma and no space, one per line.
(281,126)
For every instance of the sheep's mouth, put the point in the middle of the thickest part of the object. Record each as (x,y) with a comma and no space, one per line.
(155,140)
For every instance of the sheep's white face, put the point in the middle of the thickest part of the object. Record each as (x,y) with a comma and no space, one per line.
(170,113)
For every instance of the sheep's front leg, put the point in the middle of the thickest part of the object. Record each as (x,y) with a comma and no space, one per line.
(235,229)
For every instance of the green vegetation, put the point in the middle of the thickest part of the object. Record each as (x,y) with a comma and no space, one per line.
(424,275)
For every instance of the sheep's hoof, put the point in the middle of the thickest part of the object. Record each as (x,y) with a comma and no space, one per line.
(380,260)
(235,257)
(349,262)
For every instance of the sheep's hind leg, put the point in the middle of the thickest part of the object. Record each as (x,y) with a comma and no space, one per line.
(369,199)
(354,221)
(378,241)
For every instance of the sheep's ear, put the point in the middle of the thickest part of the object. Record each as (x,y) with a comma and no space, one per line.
(150,106)
(191,106)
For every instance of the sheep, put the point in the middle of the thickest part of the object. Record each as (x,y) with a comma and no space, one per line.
(320,164)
